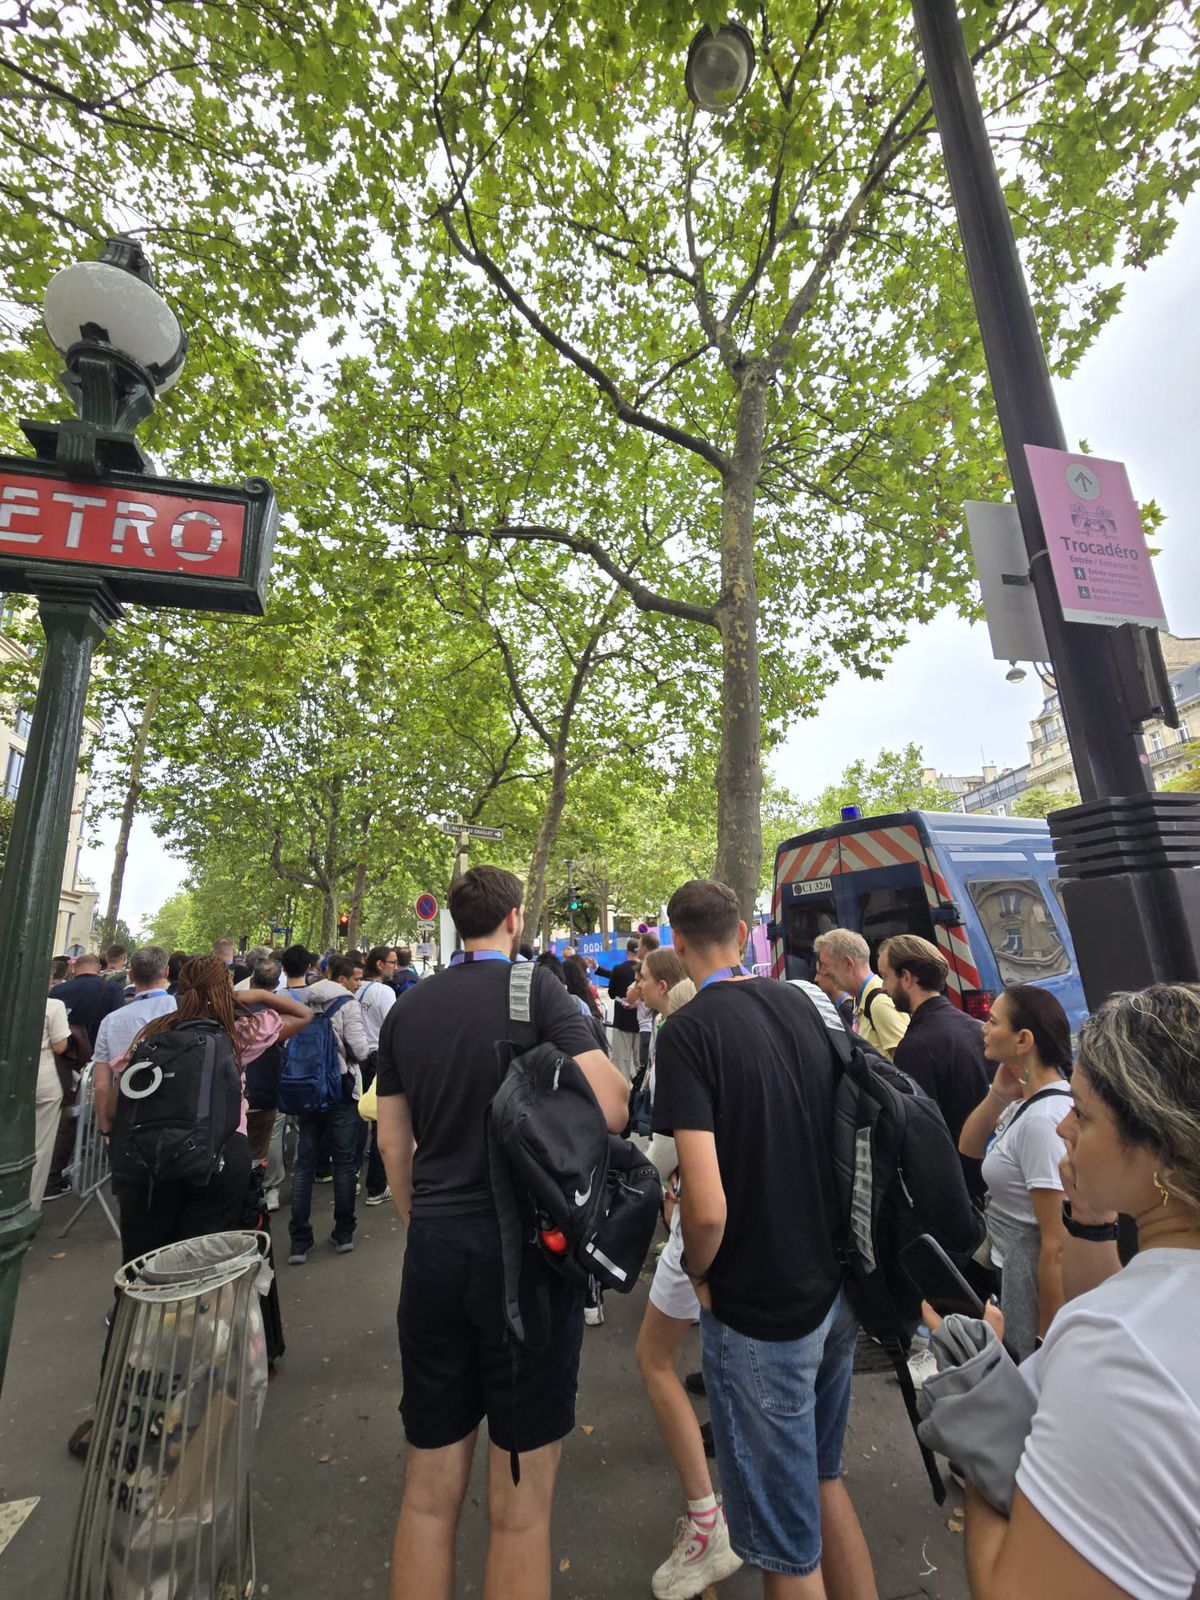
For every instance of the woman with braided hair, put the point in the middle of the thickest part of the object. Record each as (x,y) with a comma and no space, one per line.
(155,1214)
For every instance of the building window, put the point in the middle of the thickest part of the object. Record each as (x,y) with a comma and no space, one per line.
(12,773)
(23,724)
(1184,732)
(1156,742)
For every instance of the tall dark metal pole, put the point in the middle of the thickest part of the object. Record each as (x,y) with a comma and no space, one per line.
(1127,856)
(1103,747)
(75,617)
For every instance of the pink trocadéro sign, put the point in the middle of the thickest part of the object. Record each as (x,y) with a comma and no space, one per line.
(1094,535)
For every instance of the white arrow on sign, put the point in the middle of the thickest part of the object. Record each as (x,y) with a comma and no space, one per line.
(471,830)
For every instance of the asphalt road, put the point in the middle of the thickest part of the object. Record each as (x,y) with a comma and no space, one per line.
(329,1467)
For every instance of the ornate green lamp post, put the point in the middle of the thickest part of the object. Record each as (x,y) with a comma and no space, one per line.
(85,527)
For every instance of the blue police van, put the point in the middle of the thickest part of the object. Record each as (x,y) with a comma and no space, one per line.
(984,889)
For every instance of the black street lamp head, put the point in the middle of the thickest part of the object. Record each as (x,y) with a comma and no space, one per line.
(123,346)
(720,65)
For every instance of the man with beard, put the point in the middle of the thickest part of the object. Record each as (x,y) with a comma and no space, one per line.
(942,1047)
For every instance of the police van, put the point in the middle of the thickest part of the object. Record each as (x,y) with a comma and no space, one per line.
(984,889)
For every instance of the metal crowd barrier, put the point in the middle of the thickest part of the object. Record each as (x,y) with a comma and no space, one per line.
(165,1510)
(88,1171)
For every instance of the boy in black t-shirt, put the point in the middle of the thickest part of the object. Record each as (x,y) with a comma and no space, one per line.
(438,1070)
(744,1081)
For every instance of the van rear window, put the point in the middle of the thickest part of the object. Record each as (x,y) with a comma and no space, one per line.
(803,920)
(1020,928)
(885,912)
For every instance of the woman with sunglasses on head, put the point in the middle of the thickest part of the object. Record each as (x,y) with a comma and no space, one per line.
(1107,1496)
(1014,1132)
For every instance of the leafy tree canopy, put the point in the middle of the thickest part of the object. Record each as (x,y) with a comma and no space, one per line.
(894,781)
(1040,801)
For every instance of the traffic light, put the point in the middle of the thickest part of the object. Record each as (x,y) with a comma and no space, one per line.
(575,900)
(343,926)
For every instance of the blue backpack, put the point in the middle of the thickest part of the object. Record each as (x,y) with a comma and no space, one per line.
(311,1076)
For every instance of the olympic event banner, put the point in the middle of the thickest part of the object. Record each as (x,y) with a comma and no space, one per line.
(1094,534)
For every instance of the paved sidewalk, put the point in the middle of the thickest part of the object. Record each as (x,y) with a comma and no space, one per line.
(330,1452)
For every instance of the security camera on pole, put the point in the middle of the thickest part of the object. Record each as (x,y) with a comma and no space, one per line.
(86,528)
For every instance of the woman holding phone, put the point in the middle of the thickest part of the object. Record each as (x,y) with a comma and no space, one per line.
(1014,1131)
(1108,1486)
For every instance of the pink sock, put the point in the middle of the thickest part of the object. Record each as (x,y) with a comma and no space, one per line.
(704,1512)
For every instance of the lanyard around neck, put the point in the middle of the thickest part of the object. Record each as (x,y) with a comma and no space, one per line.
(461,957)
(722,973)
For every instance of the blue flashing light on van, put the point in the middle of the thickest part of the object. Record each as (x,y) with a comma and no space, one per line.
(984,889)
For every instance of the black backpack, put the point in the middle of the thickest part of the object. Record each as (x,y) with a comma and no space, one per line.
(898,1175)
(179,1104)
(585,1199)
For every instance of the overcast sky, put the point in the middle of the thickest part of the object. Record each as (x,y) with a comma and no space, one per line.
(1133,399)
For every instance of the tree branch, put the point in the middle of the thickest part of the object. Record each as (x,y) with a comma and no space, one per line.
(645,599)
(474,256)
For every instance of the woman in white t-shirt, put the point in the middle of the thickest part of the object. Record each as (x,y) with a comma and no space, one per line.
(1014,1129)
(56,1036)
(1107,1502)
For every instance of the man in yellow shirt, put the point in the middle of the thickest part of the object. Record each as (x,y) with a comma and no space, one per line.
(844,957)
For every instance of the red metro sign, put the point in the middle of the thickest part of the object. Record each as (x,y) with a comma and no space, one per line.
(155,541)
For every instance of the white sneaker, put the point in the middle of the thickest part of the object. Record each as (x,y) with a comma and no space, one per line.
(271,1199)
(698,1559)
(379,1199)
(593,1316)
(921,1366)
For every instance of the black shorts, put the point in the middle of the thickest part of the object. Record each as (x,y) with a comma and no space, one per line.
(457,1363)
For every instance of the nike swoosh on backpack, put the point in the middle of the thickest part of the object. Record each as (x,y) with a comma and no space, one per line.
(582,1199)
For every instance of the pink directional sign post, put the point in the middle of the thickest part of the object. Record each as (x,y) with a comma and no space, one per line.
(1094,535)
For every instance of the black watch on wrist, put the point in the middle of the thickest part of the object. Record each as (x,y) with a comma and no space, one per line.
(1096,1232)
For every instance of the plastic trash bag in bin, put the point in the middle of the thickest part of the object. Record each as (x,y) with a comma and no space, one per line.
(165,1513)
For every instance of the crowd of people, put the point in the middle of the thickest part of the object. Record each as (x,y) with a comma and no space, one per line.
(728,1082)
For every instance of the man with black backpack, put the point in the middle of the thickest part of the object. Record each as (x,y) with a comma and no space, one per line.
(320,1082)
(746,1082)
(439,1071)
(843,958)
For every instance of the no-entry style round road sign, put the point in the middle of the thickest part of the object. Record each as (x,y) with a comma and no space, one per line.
(427,908)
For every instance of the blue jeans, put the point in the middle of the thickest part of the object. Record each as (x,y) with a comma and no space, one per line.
(779,1410)
(342,1122)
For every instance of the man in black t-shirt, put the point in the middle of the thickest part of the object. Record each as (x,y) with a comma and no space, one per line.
(625,1019)
(745,1076)
(438,1071)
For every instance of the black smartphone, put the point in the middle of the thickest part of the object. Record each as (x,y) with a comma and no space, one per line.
(938,1279)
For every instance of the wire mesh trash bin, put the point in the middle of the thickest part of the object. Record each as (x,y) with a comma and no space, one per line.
(165,1513)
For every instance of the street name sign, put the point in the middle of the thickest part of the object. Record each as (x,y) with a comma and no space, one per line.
(154,541)
(471,830)
(1094,534)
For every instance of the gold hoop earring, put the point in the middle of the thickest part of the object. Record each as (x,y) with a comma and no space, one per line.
(1162,1188)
